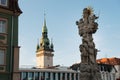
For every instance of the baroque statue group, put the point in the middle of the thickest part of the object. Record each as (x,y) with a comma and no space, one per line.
(87,26)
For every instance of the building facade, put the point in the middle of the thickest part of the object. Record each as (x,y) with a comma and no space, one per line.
(9,49)
(49,74)
(112,61)
(107,71)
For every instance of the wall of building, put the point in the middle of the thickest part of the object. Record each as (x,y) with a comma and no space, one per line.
(9,13)
(49,75)
(117,67)
(10,41)
(44,59)
(48,61)
(40,60)
(107,75)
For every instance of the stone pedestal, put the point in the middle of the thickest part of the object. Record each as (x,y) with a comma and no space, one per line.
(89,72)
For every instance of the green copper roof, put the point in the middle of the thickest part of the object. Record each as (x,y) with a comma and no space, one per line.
(44,29)
(38,46)
(44,41)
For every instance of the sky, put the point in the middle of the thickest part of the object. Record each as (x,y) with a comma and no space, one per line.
(61,17)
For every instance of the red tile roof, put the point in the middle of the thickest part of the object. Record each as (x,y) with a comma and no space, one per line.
(111,61)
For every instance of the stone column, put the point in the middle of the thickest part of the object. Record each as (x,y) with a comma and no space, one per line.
(56,76)
(70,76)
(27,75)
(33,75)
(65,76)
(105,76)
(74,76)
(46,75)
(78,75)
(61,75)
(109,76)
(101,74)
(51,76)
(39,75)
(112,76)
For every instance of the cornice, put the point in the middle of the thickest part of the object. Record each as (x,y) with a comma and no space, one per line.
(6,11)
(44,54)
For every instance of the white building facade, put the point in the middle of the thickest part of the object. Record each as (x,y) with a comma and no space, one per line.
(118,71)
(107,75)
(108,72)
(48,74)
(115,62)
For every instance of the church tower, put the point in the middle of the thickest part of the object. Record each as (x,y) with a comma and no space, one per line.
(9,49)
(45,50)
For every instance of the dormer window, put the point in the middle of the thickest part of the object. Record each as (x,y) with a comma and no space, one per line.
(3,2)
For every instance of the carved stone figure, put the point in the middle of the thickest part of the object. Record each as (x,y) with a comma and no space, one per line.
(84,52)
(87,26)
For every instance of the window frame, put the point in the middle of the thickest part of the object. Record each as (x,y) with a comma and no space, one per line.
(4,63)
(3,66)
(3,19)
(6,3)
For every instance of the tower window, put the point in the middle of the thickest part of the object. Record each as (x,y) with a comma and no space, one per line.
(3,2)
(3,24)
(2,57)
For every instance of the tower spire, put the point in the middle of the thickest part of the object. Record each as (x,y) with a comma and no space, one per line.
(44,41)
(44,29)
(44,19)
(45,50)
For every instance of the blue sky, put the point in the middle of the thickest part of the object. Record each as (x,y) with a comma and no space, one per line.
(61,16)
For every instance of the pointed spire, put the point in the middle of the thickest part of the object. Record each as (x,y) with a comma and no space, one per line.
(44,41)
(44,19)
(44,29)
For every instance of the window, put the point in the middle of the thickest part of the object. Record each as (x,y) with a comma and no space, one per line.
(3,26)
(36,76)
(24,76)
(2,54)
(30,76)
(3,2)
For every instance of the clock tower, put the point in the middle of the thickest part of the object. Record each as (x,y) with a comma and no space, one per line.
(44,52)
(9,49)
